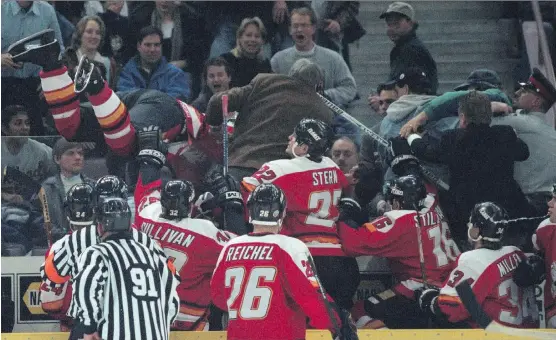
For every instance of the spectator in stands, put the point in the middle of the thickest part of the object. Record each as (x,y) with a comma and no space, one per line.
(269,109)
(246,60)
(386,95)
(339,84)
(66,27)
(150,70)
(21,83)
(414,90)
(97,8)
(28,162)
(70,159)
(87,40)
(481,162)
(337,25)
(118,39)
(408,51)
(216,78)
(345,153)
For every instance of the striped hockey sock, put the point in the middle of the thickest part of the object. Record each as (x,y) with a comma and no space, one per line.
(114,121)
(62,100)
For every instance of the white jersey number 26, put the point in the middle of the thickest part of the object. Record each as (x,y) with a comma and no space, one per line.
(250,292)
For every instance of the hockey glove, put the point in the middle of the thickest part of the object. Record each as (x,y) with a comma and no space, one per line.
(349,209)
(403,165)
(427,299)
(150,137)
(530,272)
(151,156)
(399,146)
(204,204)
(226,189)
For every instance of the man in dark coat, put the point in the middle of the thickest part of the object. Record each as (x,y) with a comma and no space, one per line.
(409,50)
(269,109)
(481,162)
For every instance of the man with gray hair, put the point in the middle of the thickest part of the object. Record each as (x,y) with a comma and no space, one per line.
(269,109)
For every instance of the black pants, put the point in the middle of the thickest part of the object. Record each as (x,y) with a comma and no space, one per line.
(340,277)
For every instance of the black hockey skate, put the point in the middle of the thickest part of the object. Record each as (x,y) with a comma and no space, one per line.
(87,77)
(40,49)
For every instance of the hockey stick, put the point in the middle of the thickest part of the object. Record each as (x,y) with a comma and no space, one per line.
(478,314)
(46,215)
(419,227)
(225,133)
(380,140)
(323,294)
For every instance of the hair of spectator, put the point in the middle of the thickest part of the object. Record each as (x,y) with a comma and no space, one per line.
(347,139)
(80,29)
(148,30)
(307,71)
(11,111)
(385,87)
(251,21)
(216,61)
(305,11)
(475,107)
(423,86)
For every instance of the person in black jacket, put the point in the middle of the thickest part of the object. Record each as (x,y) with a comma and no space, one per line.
(409,50)
(481,162)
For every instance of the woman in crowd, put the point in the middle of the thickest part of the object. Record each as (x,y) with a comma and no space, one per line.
(246,59)
(87,40)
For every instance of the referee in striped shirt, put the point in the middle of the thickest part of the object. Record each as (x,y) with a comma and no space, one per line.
(123,290)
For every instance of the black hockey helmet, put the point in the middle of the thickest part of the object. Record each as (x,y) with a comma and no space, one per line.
(79,204)
(489,218)
(113,215)
(316,134)
(266,205)
(110,186)
(176,198)
(409,190)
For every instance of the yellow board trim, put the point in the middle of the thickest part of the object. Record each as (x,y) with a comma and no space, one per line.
(444,334)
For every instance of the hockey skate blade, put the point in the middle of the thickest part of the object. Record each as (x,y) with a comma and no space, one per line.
(495,327)
(82,77)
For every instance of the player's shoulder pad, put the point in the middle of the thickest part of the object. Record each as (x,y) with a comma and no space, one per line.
(546,224)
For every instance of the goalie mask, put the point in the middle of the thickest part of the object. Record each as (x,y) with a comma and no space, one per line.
(488,218)
(267,205)
(110,186)
(113,215)
(80,205)
(176,198)
(316,134)
(409,190)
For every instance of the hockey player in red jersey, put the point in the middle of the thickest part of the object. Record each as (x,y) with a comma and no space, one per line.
(394,236)
(314,186)
(266,281)
(542,267)
(164,213)
(489,269)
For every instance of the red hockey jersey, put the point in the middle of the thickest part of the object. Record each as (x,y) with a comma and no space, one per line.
(544,241)
(490,274)
(193,245)
(267,286)
(312,191)
(394,236)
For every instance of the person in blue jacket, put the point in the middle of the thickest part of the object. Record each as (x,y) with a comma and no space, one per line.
(150,70)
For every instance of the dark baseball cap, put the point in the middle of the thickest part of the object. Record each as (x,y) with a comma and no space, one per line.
(414,78)
(482,79)
(399,7)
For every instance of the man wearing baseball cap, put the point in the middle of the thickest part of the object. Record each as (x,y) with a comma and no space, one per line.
(408,51)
